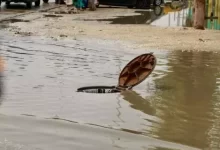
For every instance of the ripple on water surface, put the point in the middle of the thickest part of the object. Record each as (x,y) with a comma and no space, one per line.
(178,102)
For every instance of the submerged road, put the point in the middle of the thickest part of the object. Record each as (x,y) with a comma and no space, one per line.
(41,109)
(176,107)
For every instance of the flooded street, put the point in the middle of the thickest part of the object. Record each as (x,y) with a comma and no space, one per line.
(177,104)
(49,54)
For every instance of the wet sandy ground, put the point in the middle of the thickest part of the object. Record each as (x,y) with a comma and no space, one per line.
(142,36)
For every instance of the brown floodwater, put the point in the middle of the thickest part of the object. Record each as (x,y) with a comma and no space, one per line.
(176,107)
(172,14)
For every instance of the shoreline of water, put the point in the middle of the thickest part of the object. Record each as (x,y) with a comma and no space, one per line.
(52,134)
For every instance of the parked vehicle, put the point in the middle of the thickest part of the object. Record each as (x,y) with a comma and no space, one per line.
(139,4)
(27,2)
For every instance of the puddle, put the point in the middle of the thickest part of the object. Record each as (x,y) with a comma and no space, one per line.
(177,13)
(143,17)
(13,20)
(174,14)
(10,11)
(180,97)
(53,16)
(5,24)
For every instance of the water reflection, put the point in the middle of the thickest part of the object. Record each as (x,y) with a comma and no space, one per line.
(180,101)
(174,14)
(145,16)
(187,110)
(189,107)
(138,102)
(179,13)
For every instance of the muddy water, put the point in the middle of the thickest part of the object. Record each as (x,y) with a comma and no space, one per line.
(168,15)
(177,105)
